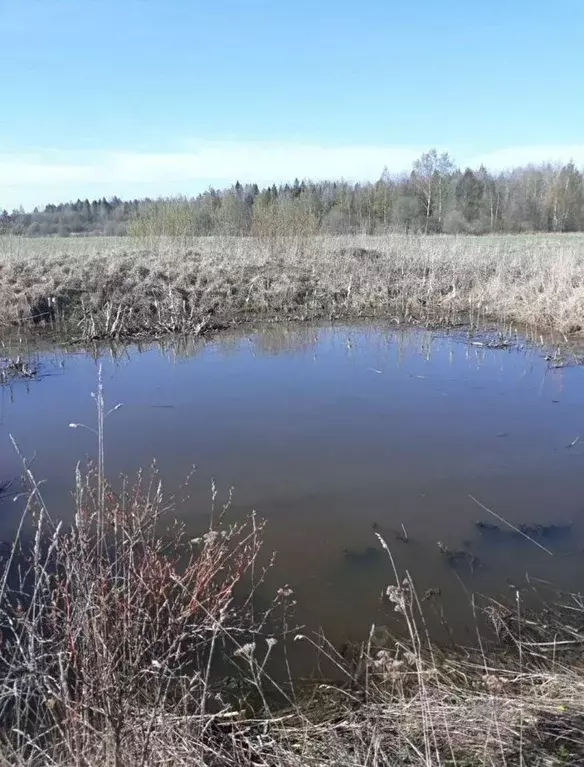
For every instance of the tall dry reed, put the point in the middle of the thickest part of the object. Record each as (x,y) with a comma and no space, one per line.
(113,627)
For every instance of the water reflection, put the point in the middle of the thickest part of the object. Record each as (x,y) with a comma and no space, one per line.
(336,434)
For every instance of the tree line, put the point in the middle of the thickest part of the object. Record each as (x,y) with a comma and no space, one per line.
(435,197)
(98,217)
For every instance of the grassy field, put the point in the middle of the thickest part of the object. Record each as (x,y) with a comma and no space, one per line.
(123,287)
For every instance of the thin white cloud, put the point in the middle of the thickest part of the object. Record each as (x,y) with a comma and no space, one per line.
(28,178)
(514,157)
(221,160)
(34,178)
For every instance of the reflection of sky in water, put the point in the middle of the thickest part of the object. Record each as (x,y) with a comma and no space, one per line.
(333,434)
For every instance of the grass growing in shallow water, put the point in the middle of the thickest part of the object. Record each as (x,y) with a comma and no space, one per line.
(108,288)
(115,633)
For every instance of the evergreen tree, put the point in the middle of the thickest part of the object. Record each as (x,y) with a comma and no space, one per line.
(469,195)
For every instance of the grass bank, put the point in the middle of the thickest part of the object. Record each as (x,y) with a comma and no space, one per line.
(124,643)
(123,287)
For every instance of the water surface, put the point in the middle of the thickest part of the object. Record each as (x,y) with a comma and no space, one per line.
(334,434)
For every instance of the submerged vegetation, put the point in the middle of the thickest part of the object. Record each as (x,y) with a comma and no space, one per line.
(119,288)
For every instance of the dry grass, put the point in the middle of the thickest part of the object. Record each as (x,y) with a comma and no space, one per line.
(111,630)
(126,287)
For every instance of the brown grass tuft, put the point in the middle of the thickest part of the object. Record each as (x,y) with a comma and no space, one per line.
(112,629)
(111,288)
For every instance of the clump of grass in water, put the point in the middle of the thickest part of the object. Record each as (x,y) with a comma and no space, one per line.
(14,369)
(111,628)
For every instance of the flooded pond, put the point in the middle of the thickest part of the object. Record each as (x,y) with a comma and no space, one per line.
(334,434)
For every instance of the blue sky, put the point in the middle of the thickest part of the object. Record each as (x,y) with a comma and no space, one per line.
(135,97)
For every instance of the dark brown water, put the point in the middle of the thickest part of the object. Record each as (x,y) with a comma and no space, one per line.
(333,434)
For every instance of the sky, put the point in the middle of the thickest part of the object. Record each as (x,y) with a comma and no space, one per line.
(158,97)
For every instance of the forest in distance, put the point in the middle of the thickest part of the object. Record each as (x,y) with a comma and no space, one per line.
(435,197)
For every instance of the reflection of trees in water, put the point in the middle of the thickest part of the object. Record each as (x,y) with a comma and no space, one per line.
(408,341)
(384,345)
(230,342)
(403,342)
(180,347)
(271,340)
(285,339)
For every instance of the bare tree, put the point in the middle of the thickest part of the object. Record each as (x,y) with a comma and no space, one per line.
(429,175)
